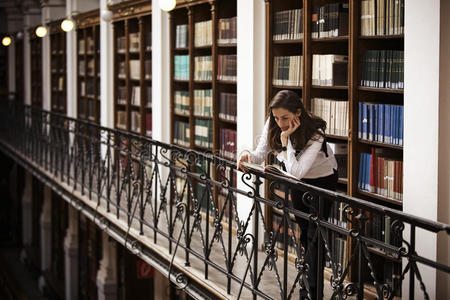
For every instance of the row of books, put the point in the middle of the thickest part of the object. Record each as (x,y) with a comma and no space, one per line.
(228,106)
(87,88)
(181,102)
(181,36)
(202,103)
(181,134)
(227,31)
(383,69)
(288,70)
(379,227)
(135,69)
(203,68)
(381,123)
(329,70)
(341,155)
(58,83)
(147,68)
(334,112)
(382,17)
(329,20)
(135,96)
(203,33)
(181,67)
(288,25)
(135,121)
(89,46)
(203,133)
(226,67)
(134,42)
(228,144)
(90,108)
(92,64)
(381,175)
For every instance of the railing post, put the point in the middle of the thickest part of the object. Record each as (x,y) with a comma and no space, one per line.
(230,229)
(411,270)
(257,184)
(108,170)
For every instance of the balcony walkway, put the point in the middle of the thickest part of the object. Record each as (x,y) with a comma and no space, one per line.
(128,186)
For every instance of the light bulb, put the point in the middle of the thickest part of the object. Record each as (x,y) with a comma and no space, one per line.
(41,31)
(106,15)
(6,41)
(167,5)
(67,25)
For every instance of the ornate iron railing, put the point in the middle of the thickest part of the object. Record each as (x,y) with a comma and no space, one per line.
(186,203)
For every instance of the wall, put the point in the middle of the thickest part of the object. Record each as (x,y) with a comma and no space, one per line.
(421,125)
(443,251)
(250,82)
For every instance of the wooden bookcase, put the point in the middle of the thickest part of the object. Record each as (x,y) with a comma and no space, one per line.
(18,43)
(58,65)
(220,84)
(88,66)
(353,43)
(203,87)
(132,66)
(36,68)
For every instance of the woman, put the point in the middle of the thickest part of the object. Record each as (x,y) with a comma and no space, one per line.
(298,139)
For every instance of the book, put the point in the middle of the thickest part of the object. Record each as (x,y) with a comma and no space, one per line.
(272,169)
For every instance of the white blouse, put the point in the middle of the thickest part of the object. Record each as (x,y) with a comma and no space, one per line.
(309,163)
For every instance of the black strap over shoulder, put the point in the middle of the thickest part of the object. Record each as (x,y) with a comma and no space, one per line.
(324,146)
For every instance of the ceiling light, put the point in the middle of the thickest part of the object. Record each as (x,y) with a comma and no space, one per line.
(67,25)
(41,31)
(6,41)
(167,5)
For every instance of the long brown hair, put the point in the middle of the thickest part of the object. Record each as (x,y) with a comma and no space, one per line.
(309,123)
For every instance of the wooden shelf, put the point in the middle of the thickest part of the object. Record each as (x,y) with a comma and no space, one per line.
(288,42)
(337,87)
(380,197)
(287,87)
(381,37)
(232,45)
(132,41)
(343,180)
(339,39)
(381,144)
(227,121)
(337,137)
(226,82)
(380,90)
(58,97)
(88,40)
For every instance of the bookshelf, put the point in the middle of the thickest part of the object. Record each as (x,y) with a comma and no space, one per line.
(88,66)
(19,69)
(36,68)
(58,67)
(132,63)
(203,78)
(349,58)
(203,87)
